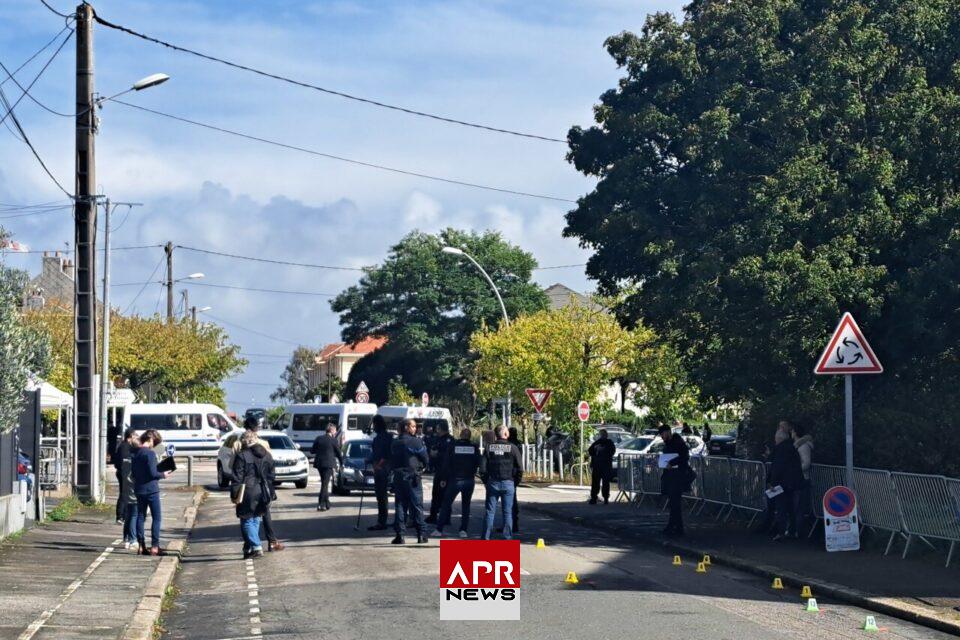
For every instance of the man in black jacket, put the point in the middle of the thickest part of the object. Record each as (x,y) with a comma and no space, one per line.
(601,454)
(501,469)
(438,454)
(458,469)
(786,471)
(326,455)
(676,477)
(123,451)
(380,459)
(408,457)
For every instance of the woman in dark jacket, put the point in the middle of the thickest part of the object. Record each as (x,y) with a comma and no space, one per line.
(252,470)
(676,478)
(147,489)
(786,471)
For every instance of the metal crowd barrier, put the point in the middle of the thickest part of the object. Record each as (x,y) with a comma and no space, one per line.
(905,505)
(51,472)
(538,462)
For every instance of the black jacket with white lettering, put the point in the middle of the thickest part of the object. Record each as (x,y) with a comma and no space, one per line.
(501,461)
(461,461)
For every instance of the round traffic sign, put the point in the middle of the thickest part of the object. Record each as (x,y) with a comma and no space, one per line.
(583,411)
(362,397)
(839,501)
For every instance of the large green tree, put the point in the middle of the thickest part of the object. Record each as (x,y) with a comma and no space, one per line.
(428,304)
(23,349)
(765,165)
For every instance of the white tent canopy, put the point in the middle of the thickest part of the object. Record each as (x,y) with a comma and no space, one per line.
(50,396)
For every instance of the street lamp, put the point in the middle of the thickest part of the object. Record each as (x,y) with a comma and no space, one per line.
(194,311)
(141,84)
(454,251)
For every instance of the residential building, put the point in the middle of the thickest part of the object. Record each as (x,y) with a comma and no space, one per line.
(54,286)
(337,359)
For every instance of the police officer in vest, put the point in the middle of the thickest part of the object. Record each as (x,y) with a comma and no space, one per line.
(380,459)
(438,453)
(457,471)
(601,454)
(408,457)
(501,468)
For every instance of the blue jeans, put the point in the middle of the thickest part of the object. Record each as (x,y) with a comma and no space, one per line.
(504,491)
(150,501)
(464,487)
(130,522)
(250,530)
(408,490)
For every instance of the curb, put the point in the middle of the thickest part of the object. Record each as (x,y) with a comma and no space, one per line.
(888,606)
(147,613)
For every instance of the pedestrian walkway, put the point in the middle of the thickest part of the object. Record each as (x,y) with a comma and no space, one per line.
(918,584)
(73,579)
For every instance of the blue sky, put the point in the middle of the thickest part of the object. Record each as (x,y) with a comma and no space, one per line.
(532,66)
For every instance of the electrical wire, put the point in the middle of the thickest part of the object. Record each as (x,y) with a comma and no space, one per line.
(560,266)
(37,212)
(31,58)
(265,355)
(139,293)
(252,384)
(254,332)
(36,77)
(330,156)
(62,15)
(26,92)
(238,288)
(26,140)
(307,85)
(253,259)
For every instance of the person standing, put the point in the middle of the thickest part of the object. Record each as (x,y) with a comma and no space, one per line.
(459,470)
(252,425)
(438,454)
(124,455)
(676,478)
(601,454)
(122,452)
(501,469)
(803,442)
(786,472)
(326,456)
(146,486)
(707,432)
(513,438)
(253,475)
(408,457)
(380,459)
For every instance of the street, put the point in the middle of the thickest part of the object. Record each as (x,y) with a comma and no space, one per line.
(333,582)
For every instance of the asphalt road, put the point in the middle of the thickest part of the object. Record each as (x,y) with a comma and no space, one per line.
(334,583)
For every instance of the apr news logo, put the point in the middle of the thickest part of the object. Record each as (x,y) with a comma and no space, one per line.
(479,579)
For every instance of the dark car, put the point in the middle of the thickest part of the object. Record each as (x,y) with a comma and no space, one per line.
(356,472)
(723,445)
(257,413)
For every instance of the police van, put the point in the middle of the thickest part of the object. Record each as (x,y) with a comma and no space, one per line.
(190,427)
(427,418)
(304,422)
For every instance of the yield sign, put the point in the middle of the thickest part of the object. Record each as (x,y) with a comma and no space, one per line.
(362,387)
(539,397)
(848,351)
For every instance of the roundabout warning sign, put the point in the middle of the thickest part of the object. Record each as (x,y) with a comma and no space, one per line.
(841,520)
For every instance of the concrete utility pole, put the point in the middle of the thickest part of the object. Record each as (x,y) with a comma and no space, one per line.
(105,360)
(85,235)
(168,249)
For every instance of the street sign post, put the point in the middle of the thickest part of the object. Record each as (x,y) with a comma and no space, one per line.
(841,520)
(362,395)
(848,354)
(583,412)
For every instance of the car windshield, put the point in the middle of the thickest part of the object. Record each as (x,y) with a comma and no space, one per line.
(636,444)
(279,442)
(256,413)
(359,449)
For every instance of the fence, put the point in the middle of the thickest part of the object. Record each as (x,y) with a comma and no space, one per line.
(905,505)
(537,461)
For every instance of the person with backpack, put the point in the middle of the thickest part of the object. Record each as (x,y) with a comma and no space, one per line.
(252,491)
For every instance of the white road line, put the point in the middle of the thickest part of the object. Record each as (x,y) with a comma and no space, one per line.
(42,619)
(524,572)
(253,601)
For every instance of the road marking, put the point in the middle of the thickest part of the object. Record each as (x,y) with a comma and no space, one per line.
(253,602)
(524,572)
(42,619)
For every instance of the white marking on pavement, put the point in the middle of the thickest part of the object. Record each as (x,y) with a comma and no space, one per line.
(253,595)
(524,572)
(42,619)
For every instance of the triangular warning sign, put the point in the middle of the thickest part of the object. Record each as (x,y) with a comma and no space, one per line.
(539,397)
(848,351)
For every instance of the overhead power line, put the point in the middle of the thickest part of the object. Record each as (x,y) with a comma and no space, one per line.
(62,15)
(330,156)
(252,384)
(31,58)
(307,85)
(36,77)
(235,287)
(145,285)
(26,140)
(253,259)
(253,331)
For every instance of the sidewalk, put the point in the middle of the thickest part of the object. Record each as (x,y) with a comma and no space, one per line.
(919,589)
(70,579)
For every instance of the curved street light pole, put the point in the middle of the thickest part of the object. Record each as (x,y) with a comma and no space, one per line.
(506,319)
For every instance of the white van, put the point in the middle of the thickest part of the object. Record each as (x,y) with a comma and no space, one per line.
(428,418)
(190,427)
(304,422)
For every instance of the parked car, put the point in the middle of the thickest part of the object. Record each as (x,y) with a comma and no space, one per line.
(356,472)
(617,433)
(654,444)
(289,463)
(723,445)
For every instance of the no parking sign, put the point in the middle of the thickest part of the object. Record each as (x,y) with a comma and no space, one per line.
(841,520)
